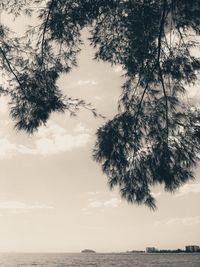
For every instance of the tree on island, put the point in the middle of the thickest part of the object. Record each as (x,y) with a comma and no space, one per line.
(154,138)
(88,251)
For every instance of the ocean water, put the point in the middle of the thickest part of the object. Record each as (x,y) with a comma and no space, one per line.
(98,260)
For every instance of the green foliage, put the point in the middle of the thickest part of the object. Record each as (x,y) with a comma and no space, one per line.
(154,139)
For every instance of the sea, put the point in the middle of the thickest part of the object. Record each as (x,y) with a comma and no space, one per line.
(98,260)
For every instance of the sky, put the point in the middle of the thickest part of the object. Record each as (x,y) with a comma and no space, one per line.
(54,197)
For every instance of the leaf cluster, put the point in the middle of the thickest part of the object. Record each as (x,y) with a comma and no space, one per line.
(154,138)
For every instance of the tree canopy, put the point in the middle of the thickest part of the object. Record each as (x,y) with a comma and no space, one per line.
(154,138)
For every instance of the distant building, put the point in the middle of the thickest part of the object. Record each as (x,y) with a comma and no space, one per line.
(192,248)
(150,249)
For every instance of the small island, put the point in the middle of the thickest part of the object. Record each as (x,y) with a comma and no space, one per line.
(88,251)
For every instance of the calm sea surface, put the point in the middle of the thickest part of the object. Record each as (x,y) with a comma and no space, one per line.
(99,260)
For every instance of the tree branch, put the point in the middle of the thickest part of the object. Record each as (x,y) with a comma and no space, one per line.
(44,31)
(157,64)
(162,23)
(10,68)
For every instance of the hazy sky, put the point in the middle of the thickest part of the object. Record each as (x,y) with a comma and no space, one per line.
(54,197)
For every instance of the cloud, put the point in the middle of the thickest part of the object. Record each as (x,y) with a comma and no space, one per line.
(97,97)
(60,143)
(7,148)
(3,104)
(85,82)
(54,139)
(96,204)
(118,69)
(15,207)
(187,221)
(81,128)
(93,193)
(112,203)
(188,189)
(50,140)
(156,194)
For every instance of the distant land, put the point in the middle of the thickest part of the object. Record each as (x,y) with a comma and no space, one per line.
(188,249)
(88,251)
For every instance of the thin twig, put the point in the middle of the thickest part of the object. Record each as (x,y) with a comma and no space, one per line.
(166,101)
